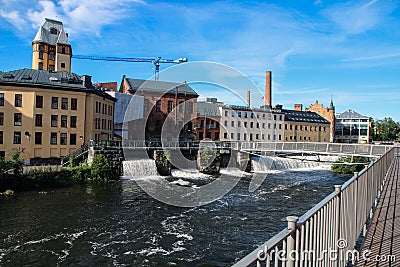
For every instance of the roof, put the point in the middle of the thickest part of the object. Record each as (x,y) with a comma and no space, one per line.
(303,116)
(159,87)
(350,114)
(53,80)
(44,33)
(208,109)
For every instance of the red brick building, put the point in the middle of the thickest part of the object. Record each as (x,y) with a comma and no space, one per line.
(162,100)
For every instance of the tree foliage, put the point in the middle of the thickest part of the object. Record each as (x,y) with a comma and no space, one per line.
(343,168)
(386,130)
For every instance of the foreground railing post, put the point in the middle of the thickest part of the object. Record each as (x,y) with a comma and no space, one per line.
(338,190)
(291,242)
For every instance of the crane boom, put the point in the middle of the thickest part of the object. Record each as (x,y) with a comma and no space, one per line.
(155,61)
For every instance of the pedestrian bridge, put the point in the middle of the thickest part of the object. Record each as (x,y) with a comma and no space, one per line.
(366,208)
(256,148)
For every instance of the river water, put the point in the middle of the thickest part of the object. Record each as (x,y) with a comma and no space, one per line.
(120,225)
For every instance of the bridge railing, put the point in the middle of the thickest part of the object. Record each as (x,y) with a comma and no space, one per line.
(324,148)
(326,234)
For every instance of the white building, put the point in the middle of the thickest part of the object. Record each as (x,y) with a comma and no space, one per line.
(127,108)
(242,123)
(352,127)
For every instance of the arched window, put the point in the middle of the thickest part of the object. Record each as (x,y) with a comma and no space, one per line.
(53,31)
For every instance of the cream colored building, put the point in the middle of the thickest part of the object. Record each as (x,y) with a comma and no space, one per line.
(304,126)
(46,115)
(51,49)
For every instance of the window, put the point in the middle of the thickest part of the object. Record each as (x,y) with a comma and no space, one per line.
(258,125)
(245,124)
(233,114)
(17,119)
(226,113)
(18,100)
(62,65)
(1,137)
(244,136)
(72,123)
(225,135)
(239,114)
(53,139)
(226,123)
(1,99)
(232,135)
(72,139)
(158,105)
(280,127)
(64,103)
(54,102)
(252,115)
(232,123)
(63,52)
(38,138)
(63,138)
(39,101)
(41,47)
(239,124)
(269,126)
(245,114)
(38,120)
(238,136)
(104,110)
(64,120)
(51,55)
(1,118)
(53,31)
(17,137)
(170,103)
(251,124)
(40,66)
(103,124)
(74,104)
(40,54)
(54,119)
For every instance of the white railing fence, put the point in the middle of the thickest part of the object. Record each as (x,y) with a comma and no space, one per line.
(327,234)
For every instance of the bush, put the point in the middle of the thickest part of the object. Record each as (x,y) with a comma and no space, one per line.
(80,173)
(102,171)
(49,178)
(347,168)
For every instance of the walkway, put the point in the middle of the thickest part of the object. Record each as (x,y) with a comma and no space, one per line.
(383,236)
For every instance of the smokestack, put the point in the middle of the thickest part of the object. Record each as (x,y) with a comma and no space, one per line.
(248,99)
(298,107)
(268,87)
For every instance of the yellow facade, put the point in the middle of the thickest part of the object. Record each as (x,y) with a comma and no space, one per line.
(60,135)
(296,131)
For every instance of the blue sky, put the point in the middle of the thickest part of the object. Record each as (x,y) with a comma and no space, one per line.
(348,50)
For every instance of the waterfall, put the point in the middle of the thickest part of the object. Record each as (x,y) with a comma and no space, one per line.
(265,164)
(140,168)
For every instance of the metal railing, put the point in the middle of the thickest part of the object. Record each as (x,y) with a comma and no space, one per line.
(76,153)
(321,148)
(326,234)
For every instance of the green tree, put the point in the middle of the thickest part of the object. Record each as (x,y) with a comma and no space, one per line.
(386,130)
(101,170)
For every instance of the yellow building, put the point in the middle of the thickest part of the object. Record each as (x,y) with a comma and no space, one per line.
(51,49)
(46,115)
(304,126)
(326,113)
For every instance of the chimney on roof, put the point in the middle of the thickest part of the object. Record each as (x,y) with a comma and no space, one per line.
(268,89)
(298,107)
(248,99)
(86,81)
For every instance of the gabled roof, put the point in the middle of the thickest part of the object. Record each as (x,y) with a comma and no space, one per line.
(52,80)
(158,87)
(350,114)
(44,33)
(303,116)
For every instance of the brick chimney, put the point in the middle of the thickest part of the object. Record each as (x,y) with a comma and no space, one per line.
(248,99)
(298,107)
(268,89)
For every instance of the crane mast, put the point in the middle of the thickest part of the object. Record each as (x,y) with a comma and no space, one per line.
(155,61)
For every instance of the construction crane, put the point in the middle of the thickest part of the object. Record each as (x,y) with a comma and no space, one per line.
(156,61)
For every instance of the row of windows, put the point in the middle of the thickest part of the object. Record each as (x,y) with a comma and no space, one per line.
(301,138)
(39,102)
(104,109)
(170,106)
(251,124)
(39,120)
(252,137)
(305,128)
(38,137)
(252,115)
(51,67)
(103,124)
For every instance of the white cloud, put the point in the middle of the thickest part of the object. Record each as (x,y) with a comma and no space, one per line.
(354,17)
(83,17)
